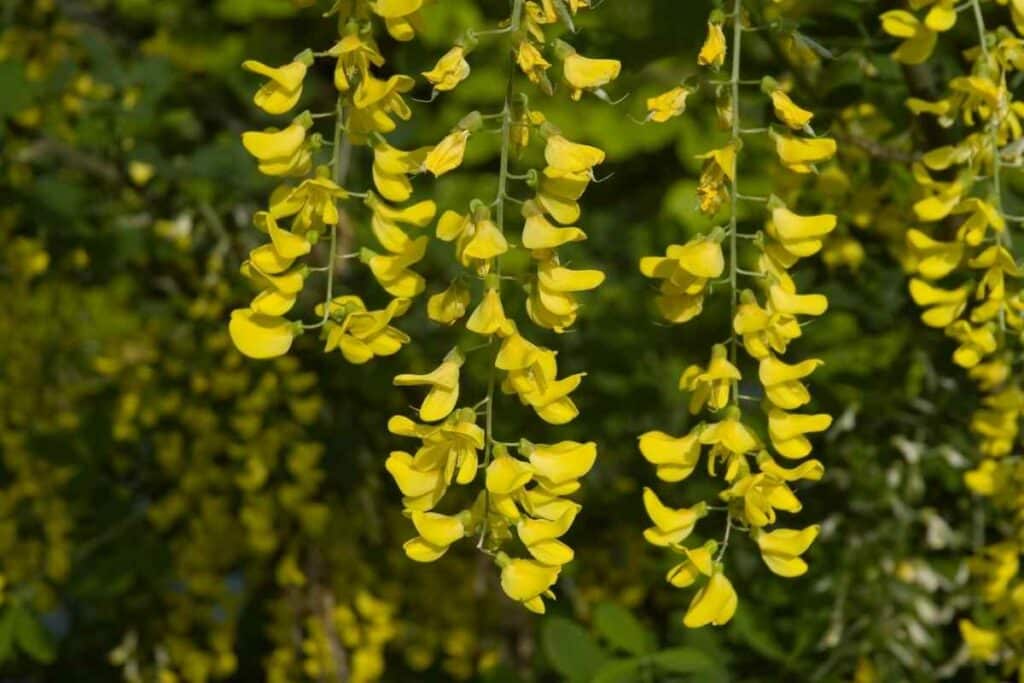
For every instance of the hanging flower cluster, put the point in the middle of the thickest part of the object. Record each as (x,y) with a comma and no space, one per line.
(756,483)
(306,209)
(526,484)
(966,280)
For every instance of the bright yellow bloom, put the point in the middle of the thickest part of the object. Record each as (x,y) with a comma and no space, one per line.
(400,16)
(313,203)
(668,104)
(533,376)
(392,270)
(685,271)
(791,303)
(375,103)
(762,495)
(355,53)
(789,113)
(919,40)
(799,154)
(540,536)
(567,158)
(284,87)
(539,233)
(719,166)
(699,562)
(447,155)
(260,336)
(782,383)
(392,168)
(712,52)
(800,236)
(489,317)
(583,73)
(533,64)
(558,196)
(787,431)
(450,305)
(712,385)
(714,603)
(933,259)
(362,335)
(421,488)
(983,644)
(975,343)
(281,152)
(730,440)
(436,533)
(444,387)
(526,581)
(450,70)
(781,549)
(671,526)
(763,330)
(674,458)
(943,306)
(558,467)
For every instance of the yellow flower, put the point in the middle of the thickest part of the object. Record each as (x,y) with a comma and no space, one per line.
(421,488)
(933,259)
(800,236)
(447,155)
(400,16)
(540,536)
(444,387)
(730,440)
(781,549)
(919,40)
(982,644)
(313,203)
(281,152)
(567,158)
(782,383)
(552,303)
(557,196)
(799,154)
(355,53)
(790,303)
(392,168)
(710,386)
(284,87)
(558,467)
(436,533)
(699,562)
(533,64)
(671,526)
(539,233)
(450,305)
(374,104)
(762,495)
(719,166)
(392,270)
(787,431)
(712,53)
(260,336)
(489,317)
(943,306)
(533,376)
(525,581)
(668,104)
(975,343)
(763,330)
(583,73)
(789,113)
(362,335)
(685,271)
(714,603)
(674,458)
(450,70)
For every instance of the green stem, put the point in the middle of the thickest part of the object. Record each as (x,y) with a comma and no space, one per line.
(339,171)
(503,176)
(734,84)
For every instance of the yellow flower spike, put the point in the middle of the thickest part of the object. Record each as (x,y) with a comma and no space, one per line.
(284,88)
(450,70)
(943,305)
(712,52)
(558,467)
(447,155)
(714,603)
(363,335)
(489,317)
(436,533)
(781,549)
(671,526)
(668,104)
(506,475)
(763,331)
(525,581)
(762,495)
(985,479)
(539,233)
(422,489)
(782,383)
(982,644)
(789,303)
(975,343)
(809,470)
(449,306)
(799,154)
(586,74)
(919,40)
(355,54)
(444,387)
(565,158)
(392,167)
(674,458)
(540,536)
(787,431)
(788,112)
(934,259)
(272,145)
(374,104)
(260,336)
(801,236)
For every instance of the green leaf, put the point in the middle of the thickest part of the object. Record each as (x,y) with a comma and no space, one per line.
(571,651)
(619,671)
(622,630)
(747,626)
(7,635)
(32,637)
(684,660)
